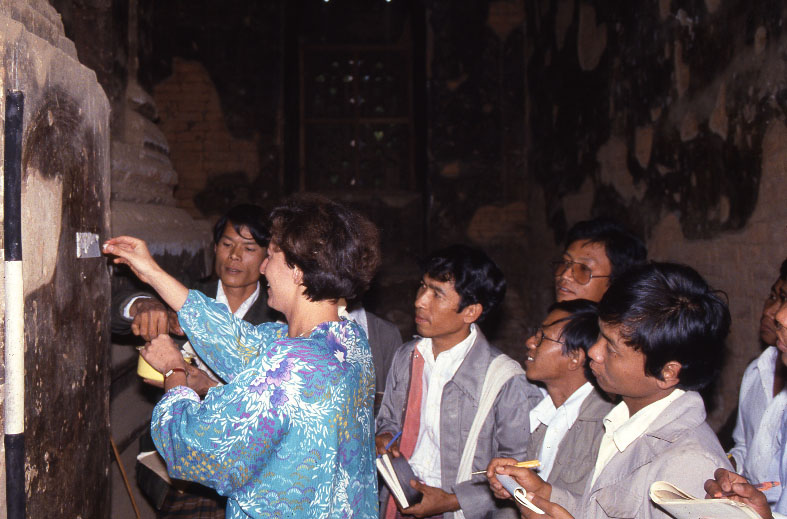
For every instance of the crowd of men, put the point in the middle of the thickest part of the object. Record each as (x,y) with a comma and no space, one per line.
(607,402)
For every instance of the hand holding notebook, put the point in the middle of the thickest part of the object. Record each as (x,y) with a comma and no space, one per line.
(397,473)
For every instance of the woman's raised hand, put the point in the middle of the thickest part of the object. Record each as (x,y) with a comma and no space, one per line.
(134,253)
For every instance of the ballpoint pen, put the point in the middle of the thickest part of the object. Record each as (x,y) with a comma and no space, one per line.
(762,487)
(388,445)
(531,464)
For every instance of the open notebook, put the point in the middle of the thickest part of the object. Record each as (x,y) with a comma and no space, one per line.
(681,505)
(518,492)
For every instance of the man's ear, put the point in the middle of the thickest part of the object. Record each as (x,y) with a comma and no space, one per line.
(576,359)
(670,375)
(471,313)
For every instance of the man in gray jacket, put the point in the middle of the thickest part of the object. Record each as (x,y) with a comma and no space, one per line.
(438,388)
(662,337)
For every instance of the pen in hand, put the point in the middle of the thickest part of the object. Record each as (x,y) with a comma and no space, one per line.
(762,487)
(388,445)
(531,464)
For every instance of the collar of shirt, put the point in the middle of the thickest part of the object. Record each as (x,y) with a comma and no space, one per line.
(766,364)
(625,429)
(426,457)
(240,313)
(359,316)
(545,411)
(451,359)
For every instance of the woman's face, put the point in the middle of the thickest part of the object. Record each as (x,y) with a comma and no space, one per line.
(282,286)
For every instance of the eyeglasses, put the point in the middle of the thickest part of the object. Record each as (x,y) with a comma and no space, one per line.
(579,271)
(538,333)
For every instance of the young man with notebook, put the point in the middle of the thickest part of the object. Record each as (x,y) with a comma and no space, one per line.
(762,401)
(662,337)
(743,489)
(457,401)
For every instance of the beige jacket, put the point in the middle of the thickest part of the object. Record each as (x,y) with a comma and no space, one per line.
(678,447)
(577,452)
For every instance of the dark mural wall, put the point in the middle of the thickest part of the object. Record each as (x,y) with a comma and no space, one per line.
(668,116)
(530,116)
(677,83)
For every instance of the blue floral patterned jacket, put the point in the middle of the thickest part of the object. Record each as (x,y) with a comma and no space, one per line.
(291,433)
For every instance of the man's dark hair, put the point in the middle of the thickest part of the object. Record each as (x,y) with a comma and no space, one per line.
(581,328)
(783,271)
(336,248)
(623,248)
(669,313)
(477,279)
(253,217)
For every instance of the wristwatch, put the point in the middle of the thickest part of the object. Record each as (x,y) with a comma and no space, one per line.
(173,370)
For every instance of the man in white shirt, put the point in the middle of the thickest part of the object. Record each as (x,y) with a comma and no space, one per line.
(763,399)
(662,334)
(452,417)
(566,427)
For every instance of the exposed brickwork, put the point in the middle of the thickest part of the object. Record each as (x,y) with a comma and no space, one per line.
(201,146)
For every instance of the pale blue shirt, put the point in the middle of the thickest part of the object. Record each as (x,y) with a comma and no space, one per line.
(756,450)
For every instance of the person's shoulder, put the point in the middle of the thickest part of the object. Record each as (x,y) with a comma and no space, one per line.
(208,286)
(596,406)
(386,326)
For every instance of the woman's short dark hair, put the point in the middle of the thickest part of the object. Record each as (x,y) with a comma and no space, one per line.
(336,248)
(477,279)
(670,313)
(581,329)
(623,248)
(783,271)
(245,215)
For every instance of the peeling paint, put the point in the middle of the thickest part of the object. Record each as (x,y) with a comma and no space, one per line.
(491,224)
(453,84)
(712,5)
(689,127)
(682,72)
(664,9)
(613,170)
(719,121)
(450,170)
(42,202)
(760,39)
(591,38)
(578,205)
(563,18)
(505,16)
(643,144)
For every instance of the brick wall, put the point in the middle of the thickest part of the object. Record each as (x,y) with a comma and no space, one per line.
(202,148)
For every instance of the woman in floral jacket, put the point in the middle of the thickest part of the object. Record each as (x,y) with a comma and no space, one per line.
(291,434)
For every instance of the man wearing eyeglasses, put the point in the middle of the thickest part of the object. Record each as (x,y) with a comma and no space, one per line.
(597,251)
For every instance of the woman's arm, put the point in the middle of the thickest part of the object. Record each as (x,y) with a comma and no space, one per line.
(134,253)
(225,342)
(210,442)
